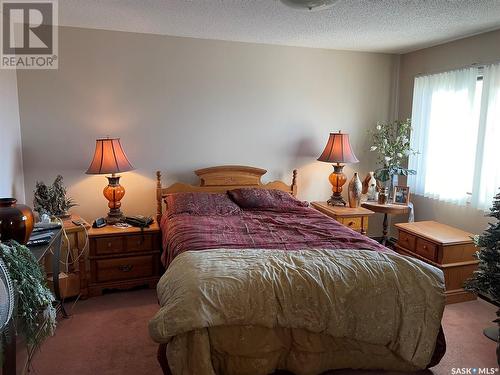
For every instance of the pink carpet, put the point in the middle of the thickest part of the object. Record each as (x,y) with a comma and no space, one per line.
(108,335)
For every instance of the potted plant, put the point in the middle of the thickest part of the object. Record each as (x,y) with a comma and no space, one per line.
(391,141)
(35,314)
(52,200)
(486,279)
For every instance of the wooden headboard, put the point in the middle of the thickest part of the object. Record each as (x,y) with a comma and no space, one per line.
(221,179)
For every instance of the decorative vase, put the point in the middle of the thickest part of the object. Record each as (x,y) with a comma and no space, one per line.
(371,192)
(354,191)
(393,181)
(16,221)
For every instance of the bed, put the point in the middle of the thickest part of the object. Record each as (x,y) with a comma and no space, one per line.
(251,289)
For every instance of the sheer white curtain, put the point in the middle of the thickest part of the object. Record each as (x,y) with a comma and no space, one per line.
(445,126)
(487,173)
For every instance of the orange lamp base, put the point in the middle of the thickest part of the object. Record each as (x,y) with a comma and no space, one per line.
(114,192)
(337,179)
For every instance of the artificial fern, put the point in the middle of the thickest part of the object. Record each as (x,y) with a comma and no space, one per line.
(36,316)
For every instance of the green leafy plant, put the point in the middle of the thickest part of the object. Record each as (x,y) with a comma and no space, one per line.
(486,279)
(391,141)
(52,200)
(36,316)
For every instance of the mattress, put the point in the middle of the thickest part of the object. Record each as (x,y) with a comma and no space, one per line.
(297,291)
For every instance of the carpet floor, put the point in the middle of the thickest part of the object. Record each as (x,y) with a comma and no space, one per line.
(108,335)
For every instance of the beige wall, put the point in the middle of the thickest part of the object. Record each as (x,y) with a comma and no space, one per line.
(481,49)
(180,104)
(11,166)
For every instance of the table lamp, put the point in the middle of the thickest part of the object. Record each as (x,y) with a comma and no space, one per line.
(109,157)
(338,150)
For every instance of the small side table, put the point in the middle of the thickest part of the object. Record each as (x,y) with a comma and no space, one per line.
(122,258)
(386,209)
(76,235)
(354,218)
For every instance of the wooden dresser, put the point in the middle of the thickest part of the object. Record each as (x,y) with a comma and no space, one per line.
(354,218)
(445,247)
(123,258)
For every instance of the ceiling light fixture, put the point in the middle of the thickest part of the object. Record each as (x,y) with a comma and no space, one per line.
(312,5)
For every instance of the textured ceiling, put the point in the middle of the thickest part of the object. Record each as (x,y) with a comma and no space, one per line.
(394,26)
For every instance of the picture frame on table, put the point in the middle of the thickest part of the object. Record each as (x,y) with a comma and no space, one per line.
(401,195)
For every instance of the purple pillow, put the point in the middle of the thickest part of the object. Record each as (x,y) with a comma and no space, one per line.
(264,199)
(201,203)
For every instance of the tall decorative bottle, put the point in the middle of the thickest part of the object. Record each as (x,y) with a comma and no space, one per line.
(354,191)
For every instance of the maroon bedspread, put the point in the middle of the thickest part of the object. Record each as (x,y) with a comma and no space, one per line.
(300,229)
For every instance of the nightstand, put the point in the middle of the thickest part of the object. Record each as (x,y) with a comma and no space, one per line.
(354,218)
(123,258)
(449,249)
(75,282)
(386,209)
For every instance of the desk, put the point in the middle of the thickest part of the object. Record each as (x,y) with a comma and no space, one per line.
(41,254)
(386,209)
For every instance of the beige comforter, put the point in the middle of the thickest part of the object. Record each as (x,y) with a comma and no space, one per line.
(253,311)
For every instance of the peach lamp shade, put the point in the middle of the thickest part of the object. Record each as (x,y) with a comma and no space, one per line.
(338,150)
(109,157)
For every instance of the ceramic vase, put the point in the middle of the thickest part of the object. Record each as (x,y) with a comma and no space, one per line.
(16,221)
(354,191)
(372,194)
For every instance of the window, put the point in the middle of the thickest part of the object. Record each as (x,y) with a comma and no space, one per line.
(456,129)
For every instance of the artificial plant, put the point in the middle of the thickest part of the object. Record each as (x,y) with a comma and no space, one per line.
(391,141)
(486,279)
(35,314)
(52,200)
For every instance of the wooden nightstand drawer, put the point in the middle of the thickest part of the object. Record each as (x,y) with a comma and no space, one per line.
(108,245)
(122,258)
(353,218)
(355,223)
(407,241)
(427,249)
(139,242)
(124,268)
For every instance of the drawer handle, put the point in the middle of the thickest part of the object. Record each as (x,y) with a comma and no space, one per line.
(425,247)
(110,244)
(126,267)
(351,223)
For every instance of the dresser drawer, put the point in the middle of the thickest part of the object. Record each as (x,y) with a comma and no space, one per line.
(355,223)
(108,245)
(407,241)
(139,242)
(123,268)
(426,249)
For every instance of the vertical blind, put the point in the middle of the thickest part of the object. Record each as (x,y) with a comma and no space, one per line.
(456,129)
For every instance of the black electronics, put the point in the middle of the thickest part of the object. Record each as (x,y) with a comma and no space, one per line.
(99,222)
(139,221)
(79,222)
